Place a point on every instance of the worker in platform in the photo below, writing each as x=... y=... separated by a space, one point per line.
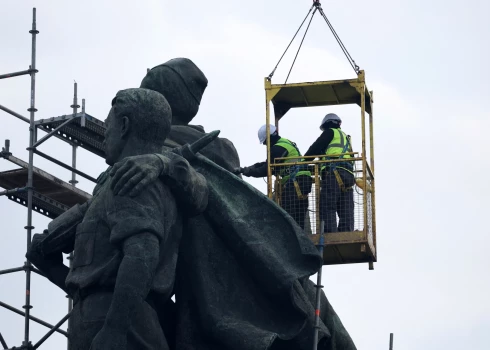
x=337 y=195
x=296 y=183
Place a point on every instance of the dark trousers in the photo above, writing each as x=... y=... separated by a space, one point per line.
x=89 y=315
x=334 y=202
x=297 y=208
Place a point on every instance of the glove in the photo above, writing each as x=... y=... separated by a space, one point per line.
x=245 y=171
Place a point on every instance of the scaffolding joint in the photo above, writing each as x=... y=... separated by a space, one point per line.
x=13 y=191
x=5 y=154
x=6 y=150
x=27 y=267
x=26 y=346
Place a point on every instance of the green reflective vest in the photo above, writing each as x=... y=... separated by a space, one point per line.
x=336 y=148
x=292 y=152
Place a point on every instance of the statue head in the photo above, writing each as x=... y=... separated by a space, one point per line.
x=182 y=83
x=138 y=123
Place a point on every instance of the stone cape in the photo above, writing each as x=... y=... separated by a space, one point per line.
x=221 y=151
x=243 y=269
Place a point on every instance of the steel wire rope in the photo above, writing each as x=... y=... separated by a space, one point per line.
x=341 y=44
x=301 y=44
x=287 y=48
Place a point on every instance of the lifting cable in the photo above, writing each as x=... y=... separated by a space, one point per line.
x=287 y=48
x=317 y=5
x=301 y=44
x=341 y=44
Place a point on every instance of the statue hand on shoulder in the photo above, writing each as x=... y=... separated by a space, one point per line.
x=133 y=174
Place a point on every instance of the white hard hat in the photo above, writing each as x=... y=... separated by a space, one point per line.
x=330 y=117
x=262 y=132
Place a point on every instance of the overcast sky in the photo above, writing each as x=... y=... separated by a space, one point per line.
x=427 y=63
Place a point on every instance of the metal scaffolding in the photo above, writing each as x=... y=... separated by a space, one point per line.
x=40 y=191
x=50 y=196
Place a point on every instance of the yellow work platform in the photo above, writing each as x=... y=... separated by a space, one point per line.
x=346 y=247
x=358 y=246
x=319 y=93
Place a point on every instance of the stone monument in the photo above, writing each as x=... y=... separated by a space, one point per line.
x=243 y=267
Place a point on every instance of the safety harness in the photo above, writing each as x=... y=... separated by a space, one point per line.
x=333 y=167
x=296 y=184
x=295 y=170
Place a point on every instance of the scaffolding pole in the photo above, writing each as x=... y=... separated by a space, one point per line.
x=2 y=341
x=31 y=194
x=17 y=115
x=52 y=330
x=35 y=319
x=16 y=74
x=75 y=107
x=321 y=243
x=73 y=182
x=32 y=110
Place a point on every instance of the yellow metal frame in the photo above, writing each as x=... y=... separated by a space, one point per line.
x=327 y=93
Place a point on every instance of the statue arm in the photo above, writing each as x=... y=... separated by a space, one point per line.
x=133 y=280
x=57 y=273
x=61 y=231
x=260 y=169
x=187 y=185
x=138 y=226
x=134 y=174
x=320 y=145
x=51 y=265
x=46 y=248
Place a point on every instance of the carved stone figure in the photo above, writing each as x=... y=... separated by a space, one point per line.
x=125 y=248
x=243 y=265
x=242 y=280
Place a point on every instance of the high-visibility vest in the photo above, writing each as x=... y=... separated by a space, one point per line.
x=336 y=147
x=293 y=151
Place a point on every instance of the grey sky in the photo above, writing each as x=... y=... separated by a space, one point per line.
x=427 y=64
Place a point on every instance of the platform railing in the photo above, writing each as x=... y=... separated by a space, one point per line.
x=312 y=198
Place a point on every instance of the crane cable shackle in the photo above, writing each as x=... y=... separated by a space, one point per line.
x=317 y=7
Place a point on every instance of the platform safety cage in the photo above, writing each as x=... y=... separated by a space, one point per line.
x=283 y=97
x=303 y=197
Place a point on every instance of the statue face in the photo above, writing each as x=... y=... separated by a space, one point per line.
x=113 y=143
